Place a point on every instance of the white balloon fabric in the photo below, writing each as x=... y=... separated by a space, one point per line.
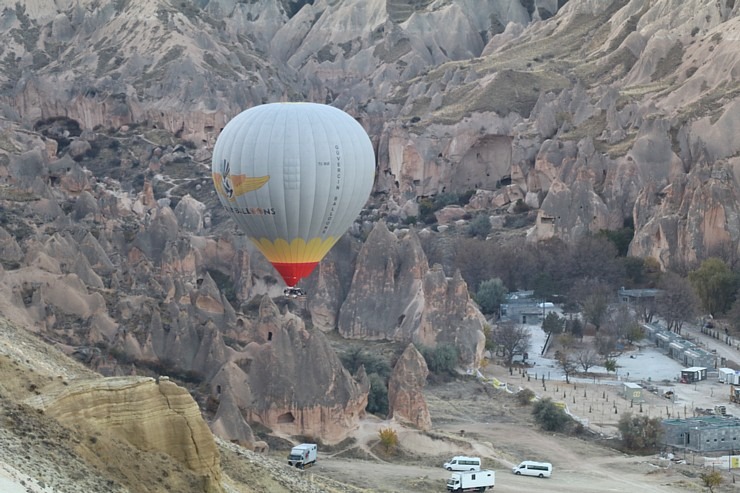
x=294 y=176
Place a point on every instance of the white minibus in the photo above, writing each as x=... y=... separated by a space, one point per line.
x=531 y=468
x=462 y=463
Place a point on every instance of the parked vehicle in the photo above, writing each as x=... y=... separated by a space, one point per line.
x=462 y=463
x=531 y=468
x=471 y=481
x=303 y=455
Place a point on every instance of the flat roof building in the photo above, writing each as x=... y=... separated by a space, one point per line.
x=703 y=434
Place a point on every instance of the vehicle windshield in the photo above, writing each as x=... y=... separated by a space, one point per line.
x=295 y=457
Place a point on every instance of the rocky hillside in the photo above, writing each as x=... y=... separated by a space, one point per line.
x=590 y=114
x=596 y=114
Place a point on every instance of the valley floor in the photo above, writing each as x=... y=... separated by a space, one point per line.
x=474 y=418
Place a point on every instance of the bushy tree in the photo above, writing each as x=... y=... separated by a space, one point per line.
x=491 y=294
x=711 y=479
x=640 y=433
x=378 y=371
x=620 y=238
x=373 y=362
x=553 y=323
x=715 y=284
x=550 y=416
x=441 y=359
x=480 y=226
x=388 y=439
x=377 y=397
x=575 y=327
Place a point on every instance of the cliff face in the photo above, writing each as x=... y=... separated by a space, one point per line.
x=395 y=296
x=151 y=416
x=292 y=381
x=603 y=100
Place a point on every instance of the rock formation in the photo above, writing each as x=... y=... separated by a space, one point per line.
x=395 y=296
x=291 y=380
x=406 y=401
x=149 y=414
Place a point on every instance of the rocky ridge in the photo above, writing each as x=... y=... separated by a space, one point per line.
x=605 y=106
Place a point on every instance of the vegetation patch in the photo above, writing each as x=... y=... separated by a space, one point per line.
x=509 y=91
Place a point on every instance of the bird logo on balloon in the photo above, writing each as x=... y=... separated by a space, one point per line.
x=232 y=186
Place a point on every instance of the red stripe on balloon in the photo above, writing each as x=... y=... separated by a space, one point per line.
x=294 y=272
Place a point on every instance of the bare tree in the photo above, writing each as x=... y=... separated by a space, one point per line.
x=587 y=358
x=593 y=296
x=621 y=323
x=511 y=339
x=647 y=308
x=606 y=345
x=678 y=301
x=566 y=363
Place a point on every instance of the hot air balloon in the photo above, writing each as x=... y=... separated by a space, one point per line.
x=293 y=176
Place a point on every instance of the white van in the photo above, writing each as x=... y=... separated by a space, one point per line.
x=462 y=463
x=531 y=468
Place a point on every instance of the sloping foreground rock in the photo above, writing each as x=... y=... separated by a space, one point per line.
x=151 y=415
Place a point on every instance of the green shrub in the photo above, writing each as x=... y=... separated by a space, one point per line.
x=480 y=227
x=441 y=359
x=550 y=416
x=377 y=398
x=525 y=397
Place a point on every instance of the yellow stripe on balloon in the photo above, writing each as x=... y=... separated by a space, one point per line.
x=297 y=251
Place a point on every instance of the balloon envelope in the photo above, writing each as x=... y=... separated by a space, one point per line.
x=293 y=176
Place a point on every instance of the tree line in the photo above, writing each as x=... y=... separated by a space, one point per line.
x=586 y=276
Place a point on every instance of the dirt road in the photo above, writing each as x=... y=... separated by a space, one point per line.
x=500 y=431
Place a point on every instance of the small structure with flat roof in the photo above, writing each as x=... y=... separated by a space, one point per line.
x=702 y=434
x=632 y=392
x=693 y=374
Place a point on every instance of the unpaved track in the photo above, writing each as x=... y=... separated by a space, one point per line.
x=499 y=430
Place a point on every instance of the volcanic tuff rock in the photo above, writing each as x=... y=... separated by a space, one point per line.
x=149 y=414
x=405 y=398
x=457 y=96
x=129 y=277
x=395 y=296
x=291 y=381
